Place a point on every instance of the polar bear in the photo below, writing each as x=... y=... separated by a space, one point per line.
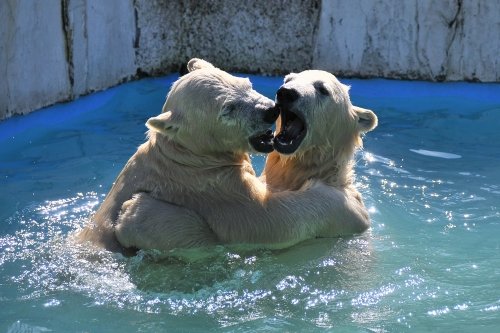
x=226 y=118
x=192 y=191
x=318 y=133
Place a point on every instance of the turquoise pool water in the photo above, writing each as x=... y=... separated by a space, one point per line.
x=431 y=262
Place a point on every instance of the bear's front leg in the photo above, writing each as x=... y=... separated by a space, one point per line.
x=345 y=208
x=148 y=223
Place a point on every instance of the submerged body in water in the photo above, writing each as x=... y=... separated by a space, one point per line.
x=428 y=174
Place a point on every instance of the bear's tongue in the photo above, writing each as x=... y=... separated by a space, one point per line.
x=291 y=130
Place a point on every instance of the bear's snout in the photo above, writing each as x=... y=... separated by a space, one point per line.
x=286 y=95
x=271 y=114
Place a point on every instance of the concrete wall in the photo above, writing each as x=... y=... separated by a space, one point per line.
x=251 y=36
x=33 y=67
x=100 y=42
x=426 y=39
x=55 y=50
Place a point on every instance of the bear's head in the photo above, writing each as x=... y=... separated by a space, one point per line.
x=316 y=112
x=209 y=111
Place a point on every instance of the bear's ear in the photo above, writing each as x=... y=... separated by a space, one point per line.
x=163 y=124
x=367 y=120
x=196 y=63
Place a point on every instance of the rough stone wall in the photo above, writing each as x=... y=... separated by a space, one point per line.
x=29 y=31
x=417 y=39
x=159 y=36
x=56 y=50
x=251 y=36
x=474 y=51
x=99 y=37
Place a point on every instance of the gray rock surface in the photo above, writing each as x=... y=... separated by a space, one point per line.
x=412 y=39
x=250 y=36
x=474 y=51
x=56 y=50
x=53 y=50
x=33 y=68
x=100 y=37
x=160 y=35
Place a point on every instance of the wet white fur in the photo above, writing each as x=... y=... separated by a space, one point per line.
x=192 y=182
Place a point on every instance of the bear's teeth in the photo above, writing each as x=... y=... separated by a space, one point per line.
x=283 y=137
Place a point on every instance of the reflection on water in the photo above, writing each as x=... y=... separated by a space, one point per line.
x=404 y=270
x=212 y=279
x=233 y=285
x=430 y=261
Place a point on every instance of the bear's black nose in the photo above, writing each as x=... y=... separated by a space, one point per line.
x=286 y=95
x=271 y=114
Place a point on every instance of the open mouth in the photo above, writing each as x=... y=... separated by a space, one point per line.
x=263 y=143
x=292 y=132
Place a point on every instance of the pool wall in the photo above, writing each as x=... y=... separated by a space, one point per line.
x=57 y=50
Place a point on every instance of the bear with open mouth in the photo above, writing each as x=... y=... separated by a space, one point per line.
x=192 y=183
x=318 y=133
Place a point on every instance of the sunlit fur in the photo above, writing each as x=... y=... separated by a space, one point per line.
x=334 y=130
x=192 y=148
x=192 y=183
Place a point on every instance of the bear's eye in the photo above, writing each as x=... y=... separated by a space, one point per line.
x=289 y=77
x=321 y=88
x=228 y=110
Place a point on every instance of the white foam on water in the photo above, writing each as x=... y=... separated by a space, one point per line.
x=433 y=153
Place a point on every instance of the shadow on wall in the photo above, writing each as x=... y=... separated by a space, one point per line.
x=60 y=49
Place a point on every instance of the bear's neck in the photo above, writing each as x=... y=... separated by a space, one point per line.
x=334 y=168
x=176 y=155
x=186 y=176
